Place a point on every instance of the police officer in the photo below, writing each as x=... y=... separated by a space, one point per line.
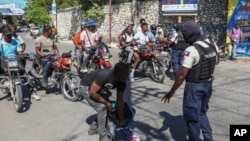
x=197 y=69
x=178 y=45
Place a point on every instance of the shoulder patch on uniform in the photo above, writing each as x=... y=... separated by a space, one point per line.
x=186 y=53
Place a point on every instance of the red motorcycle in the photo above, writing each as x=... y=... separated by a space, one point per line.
x=149 y=63
x=59 y=75
x=102 y=60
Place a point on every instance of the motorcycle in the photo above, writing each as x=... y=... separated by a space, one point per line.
x=149 y=64
x=102 y=60
x=60 y=75
x=163 y=55
x=11 y=81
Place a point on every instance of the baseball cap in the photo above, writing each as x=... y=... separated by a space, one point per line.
x=7 y=31
x=90 y=23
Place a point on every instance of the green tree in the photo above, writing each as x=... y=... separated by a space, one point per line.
x=38 y=10
x=94 y=12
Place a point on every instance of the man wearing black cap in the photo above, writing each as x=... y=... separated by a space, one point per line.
x=198 y=65
x=178 y=45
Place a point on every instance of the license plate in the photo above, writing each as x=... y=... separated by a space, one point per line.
x=106 y=60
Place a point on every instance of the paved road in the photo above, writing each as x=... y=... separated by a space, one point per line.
x=56 y=119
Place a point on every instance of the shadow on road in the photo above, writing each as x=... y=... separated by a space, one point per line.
x=90 y=119
x=150 y=133
x=176 y=126
x=2 y=98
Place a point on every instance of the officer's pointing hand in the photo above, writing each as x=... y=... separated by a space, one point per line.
x=166 y=97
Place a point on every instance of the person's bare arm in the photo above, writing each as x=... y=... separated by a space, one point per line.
x=23 y=47
x=38 y=51
x=178 y=81
x=56 y=50
x=94 y=88
x=120 y=108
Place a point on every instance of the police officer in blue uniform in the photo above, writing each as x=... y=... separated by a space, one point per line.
x=178 y=45
x=198 y=65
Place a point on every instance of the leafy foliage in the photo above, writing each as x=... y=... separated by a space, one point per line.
x=38 y=10
x=94 y=12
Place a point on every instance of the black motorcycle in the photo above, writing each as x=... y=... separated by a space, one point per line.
x=11 y=81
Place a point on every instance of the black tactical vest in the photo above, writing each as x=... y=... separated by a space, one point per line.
x=181 y=44
x=204 y=70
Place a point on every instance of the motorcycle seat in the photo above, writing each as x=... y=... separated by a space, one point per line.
x=68 y=54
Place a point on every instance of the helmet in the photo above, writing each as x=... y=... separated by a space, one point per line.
x=83 y=24
x=153 y=27
x=177 y=26
x=90 y=23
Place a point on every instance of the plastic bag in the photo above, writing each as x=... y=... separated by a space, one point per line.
x=124 y=134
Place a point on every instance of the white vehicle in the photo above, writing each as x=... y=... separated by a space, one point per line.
x=34 y=31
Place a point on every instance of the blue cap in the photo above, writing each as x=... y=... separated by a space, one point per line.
x=90 y=23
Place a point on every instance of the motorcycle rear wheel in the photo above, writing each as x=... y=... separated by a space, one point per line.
x=18 y=98
x=70 y=87
x=159 y=75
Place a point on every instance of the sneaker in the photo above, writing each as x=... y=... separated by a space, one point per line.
x=35 y=96
x=104 y=138
x=93 y=129
x=131 y=77
x=44 y=83
x=84 y=69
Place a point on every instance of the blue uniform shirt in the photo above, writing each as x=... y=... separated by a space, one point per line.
x=10 y=49
x=152 y=37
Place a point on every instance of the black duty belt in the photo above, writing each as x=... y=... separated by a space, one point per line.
x=210 y=80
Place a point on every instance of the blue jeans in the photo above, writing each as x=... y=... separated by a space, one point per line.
x=234 y=46
x=79 y=58
x=195 y=106
x=46 y=65
x=176 y=60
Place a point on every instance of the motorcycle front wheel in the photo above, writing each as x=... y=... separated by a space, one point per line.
x=158 y=73
x=70 y=87
x=18 y=98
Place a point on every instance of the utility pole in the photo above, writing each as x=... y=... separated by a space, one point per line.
x=54 y=13
x=110 y=19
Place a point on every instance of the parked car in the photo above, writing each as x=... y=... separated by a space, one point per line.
x=22 y=28
x=34 y=31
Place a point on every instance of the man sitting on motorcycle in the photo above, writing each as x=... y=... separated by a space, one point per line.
x=142 y=40
x=153 y=35
x=45 y=47
x=90 y=87
x=89 y=38
x=10 y=47
x=128 y=43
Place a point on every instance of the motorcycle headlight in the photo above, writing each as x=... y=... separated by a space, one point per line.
x=12 y=63
x=105 y=56
x=70 y=61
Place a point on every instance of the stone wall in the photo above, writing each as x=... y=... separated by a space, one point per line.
x=211 y=15
x=68 y=21
x=121 y=16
